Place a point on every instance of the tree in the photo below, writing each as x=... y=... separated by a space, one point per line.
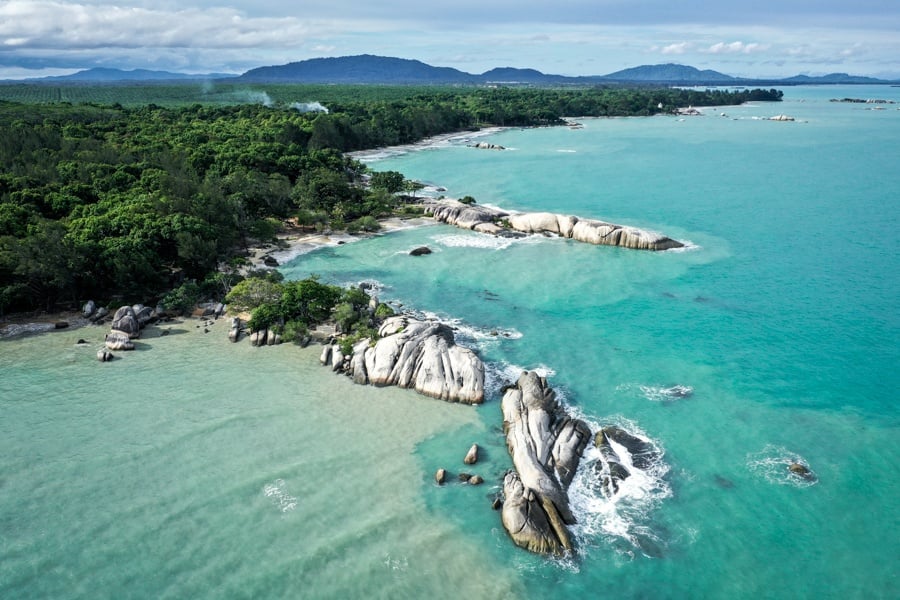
x=389 y=181
x=252 y=292
x=308 y=300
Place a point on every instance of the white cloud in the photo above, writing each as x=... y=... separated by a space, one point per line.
x=581 y=37
x=56 y=24
x=679 y=48
x=736 y=48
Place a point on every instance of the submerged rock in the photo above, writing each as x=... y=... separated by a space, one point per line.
x=546 y=445
x=420 y=251
x=802 y=471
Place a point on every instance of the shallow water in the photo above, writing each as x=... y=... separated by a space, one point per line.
x=198 y=468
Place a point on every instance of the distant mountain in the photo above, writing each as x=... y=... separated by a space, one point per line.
x=104 y=74
x=512 y=75
x=832 y=78
x=370 y=69
x=364 y=68
x=669 y=73
x=367 y=68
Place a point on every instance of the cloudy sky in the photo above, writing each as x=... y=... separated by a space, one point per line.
x=752 y=38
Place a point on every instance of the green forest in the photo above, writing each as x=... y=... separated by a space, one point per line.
x=125 y=201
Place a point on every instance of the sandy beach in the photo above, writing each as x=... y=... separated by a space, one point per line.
x=293 y=242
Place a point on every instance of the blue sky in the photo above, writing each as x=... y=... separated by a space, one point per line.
x=751 y=38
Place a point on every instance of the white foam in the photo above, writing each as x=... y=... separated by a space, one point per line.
x=324 y=241
x=484 y=241
x=278 y=493
x=772 y=463
x=656 y=393
x=688 y=246
x=619 y=518
x=500 y=374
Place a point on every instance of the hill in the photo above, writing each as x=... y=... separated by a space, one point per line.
x=364 y=68
x=370 y=69
x=101 y=74
x=832 y=78
x=670 y=73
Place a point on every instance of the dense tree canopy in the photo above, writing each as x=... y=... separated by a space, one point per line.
x=97 y=201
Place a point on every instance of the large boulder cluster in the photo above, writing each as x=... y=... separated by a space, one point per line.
x=592 y=231
x=546 y=445
x=413 y=354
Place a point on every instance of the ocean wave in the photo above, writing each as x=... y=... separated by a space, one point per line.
x=373 y=287
x=278 y=493
x=465 y=333
x=778 y=465
x=657 y=393
x=285 y=256
x=484 y=241
x=688 y=246
x=617 y=512
x=432 y=143
x=498 y=375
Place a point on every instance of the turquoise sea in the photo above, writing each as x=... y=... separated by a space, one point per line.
x=195 y=468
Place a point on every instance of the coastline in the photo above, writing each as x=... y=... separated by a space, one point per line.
x=293 y=243
x=442 y=140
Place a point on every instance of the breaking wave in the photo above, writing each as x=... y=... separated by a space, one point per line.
x=497 y=375
x=485 y=241
x=616 y=489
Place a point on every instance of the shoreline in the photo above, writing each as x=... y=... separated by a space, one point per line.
x=293 y=243
x=442 y=140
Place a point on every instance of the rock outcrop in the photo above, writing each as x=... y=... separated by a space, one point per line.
x=264 y=337
x=487 y=146
x=464 y=216
x=592 y=231
x=612 y=469
x=125 y=320
x=414 y=354
x=546 y=445
x=234 y=334
x=472 y=455
x=118 y=340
